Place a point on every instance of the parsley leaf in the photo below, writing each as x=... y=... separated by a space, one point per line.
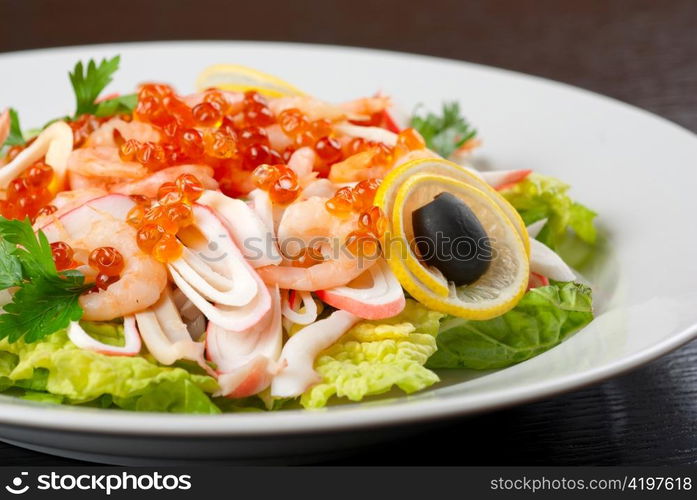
x=34 y=252
x=89 y=82
x=123 y=104
x=47 y=300
x=10 y=267
x=444 y=133
x=39 y=308
x=15 y=138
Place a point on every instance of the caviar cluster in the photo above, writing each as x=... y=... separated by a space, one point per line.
x=28 y=195
x=226 y=134
x=107 y=261
x=159 y=221
x=316 y=134
x=279 y=181
x=366 y=155
x=372 y=222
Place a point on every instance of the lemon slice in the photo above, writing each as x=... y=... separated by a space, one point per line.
x=384 y=197
x=501 y=286
x=238 y=78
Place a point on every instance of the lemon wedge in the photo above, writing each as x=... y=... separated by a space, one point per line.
x=496 y=291
x=237 y=78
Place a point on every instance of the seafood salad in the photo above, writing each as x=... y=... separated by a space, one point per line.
x=249 y=247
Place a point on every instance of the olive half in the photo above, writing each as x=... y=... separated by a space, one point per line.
x=449 y=237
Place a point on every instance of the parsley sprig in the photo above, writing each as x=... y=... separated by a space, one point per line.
x=446 y=132
x=15 y=137
x=89 y=81
x=45 y=300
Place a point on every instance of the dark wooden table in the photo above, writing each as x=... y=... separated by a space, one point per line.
x=642 y=52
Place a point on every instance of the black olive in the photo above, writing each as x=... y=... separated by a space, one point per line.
x=450 y=238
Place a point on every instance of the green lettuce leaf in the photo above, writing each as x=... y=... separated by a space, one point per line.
x=542 y=319
x=57 y=367
x=539 y=197
x=107 y=332
x=375 y=356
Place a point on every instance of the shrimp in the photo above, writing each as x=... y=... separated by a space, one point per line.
x=302 y=162
x=357 y=167
x=4 y=126
x=319 y=187
x=308 y=224
x=104 y=135
x=77 y=182
x=148 y=186
x=278 y=138
x=313 y=108
x=328 y=274
x=104 y=163
x=374 y=134
x=142 y=280
x=366 y=106
x=417 y=154
x=360 y=166
x=65 y=201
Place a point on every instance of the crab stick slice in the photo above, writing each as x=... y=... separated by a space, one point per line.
x=247 y=361
x=83 y=340
x=253 y=236
x=375 y=294
x=290 y=299
x=504 y=179
x=216 y=278
x=298 y=356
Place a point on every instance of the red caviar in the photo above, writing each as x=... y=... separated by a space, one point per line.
x=373 y=220
x=148 y=236
x=158 y=224
x=62 y=255
x=190 y=187
x=207 y=115
x=280 y=181
x=136 y=216
x=356 y=199
x=168 y=193
x=167 y=249
x=362 y=243
x=28 y=194
x=106 y=260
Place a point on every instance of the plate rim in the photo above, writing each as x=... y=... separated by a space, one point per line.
x=24 y=414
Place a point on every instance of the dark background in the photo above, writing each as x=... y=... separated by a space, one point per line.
x=642 y=52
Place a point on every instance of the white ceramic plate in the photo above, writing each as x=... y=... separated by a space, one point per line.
x=635 y=169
